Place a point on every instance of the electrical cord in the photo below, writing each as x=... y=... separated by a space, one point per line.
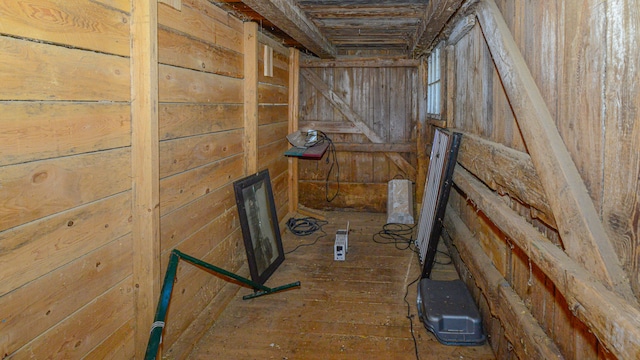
x=304 y=227
x=400 y=235
x=410 y=317
x=332 y=158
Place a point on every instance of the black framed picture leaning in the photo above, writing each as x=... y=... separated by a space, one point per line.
x=259 y=223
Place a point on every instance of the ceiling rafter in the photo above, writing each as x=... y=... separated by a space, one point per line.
x=287 y=16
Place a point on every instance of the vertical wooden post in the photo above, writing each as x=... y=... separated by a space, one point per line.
x=144 y=167
x=250 y=98
x=294 y=83
x=449 y=85
x=422 y=141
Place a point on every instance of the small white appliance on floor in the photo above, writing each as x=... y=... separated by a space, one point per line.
x=341 y=245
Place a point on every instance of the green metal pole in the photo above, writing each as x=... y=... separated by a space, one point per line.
x=155 y=338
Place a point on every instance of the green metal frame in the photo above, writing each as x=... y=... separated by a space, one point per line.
x=155 y=338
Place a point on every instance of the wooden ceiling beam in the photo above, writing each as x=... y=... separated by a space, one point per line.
x=287 y=16
x=436 y=17
x=360 y=63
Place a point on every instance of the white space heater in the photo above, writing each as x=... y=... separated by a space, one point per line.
x=400 y=202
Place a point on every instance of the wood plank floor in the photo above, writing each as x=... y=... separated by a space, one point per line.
x=343 y=310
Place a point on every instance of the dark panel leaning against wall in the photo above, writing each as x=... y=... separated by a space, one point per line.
x=66 y=289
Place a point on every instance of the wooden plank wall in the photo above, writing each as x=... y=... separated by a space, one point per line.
x=580 y=55
x=66 y=288
x=201 y=154
x=65 y=214
x=385 y=99
x=273 y=121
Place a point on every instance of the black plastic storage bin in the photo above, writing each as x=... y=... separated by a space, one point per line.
x=447 y=310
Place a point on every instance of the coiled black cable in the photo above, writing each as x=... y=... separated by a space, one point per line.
x=304 y=227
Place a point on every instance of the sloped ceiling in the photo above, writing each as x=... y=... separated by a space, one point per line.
x=331 y=28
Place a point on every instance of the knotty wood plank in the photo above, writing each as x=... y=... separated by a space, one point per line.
x=33 y=131
x=180 y=224
x=598 y=307
x=272 y=132
x=187 y=153
x=203 y=20
x=287 y=16
x=185 y=187
x=580 y=227
x=183 y=51
x=37 y=189
x=62 y=238
x=61 y=73
x=342 y=106
x=272 y=113
x=272 y=94
x=117 y=346
x=178 y=120
x=185 y=85
x=85 y=329
x=145 y=179
x=271 y=152
x=72 y=23
x=61 y=293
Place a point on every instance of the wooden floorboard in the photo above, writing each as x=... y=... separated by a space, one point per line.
x=351 y=309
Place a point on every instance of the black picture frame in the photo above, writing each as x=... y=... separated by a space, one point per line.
x=259 y=223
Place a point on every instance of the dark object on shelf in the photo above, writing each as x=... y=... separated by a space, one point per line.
x=447 y=310
x=259 y=223
x=312 y=152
